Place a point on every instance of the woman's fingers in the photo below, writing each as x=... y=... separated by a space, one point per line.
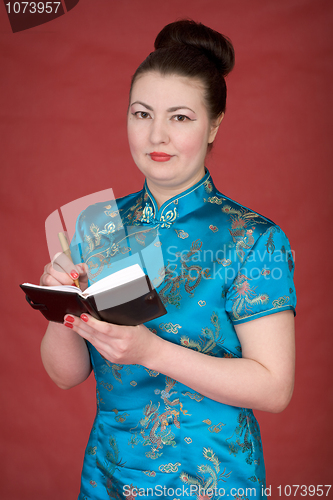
x=112 y=341
x=62 y=271
x=91 y=327
x=98 y=333
x=116 y=343
x=63 y=264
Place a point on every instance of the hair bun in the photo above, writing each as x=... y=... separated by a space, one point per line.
x=215 y=46
x=192 y=50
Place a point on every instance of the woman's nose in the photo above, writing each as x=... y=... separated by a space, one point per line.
x=159 y=132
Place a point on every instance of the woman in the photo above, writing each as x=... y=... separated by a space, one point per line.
x=175 y=396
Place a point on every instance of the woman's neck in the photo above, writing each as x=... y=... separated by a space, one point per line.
x=161 y=195
x=164 y=193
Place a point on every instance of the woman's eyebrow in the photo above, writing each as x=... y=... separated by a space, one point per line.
x=142 y=104
x=176 y=108
x=169 y=110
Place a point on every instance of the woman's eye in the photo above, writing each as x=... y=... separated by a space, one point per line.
x=141 y=114
x=181 y=118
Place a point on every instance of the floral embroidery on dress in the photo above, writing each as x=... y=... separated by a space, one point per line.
x=248 y=434
x=208 y=185
x=152 y=373
x=169 y=218
x=169 y=327
x=111 y=463
x=103 y=245
x=241 y=235
x=245 y=297
x=194 y=395
x=213 y=471
x=209 y=339
x=121 y=418
x=181 y=234
x=106 y=385
x=214 y=199
x=149 y=473
x=216 y=428
x=224 y=262
x=281 y=301
x=147 y=214
x=189 y=274
x=132 y=216
x=169 y=467
x=166 y=220
x=156 y=425
x=270 y=246
x=245 y=241
x=290 y=261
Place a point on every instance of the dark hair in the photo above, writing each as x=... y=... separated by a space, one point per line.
x=191 y=49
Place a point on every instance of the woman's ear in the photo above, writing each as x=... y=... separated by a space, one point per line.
x=214 y=128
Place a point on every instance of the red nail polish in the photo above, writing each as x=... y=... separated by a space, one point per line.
x=69 y=325
x=70 y=318
x=84 y=317
x=74 y=275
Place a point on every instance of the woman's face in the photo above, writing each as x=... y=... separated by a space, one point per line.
x=169 y=130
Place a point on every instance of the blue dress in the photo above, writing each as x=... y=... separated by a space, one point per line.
x=154 y=437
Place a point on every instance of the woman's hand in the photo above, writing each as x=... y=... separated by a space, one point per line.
x=65 y=356
x=62 y=271
x=262 y=379
x=118 y=344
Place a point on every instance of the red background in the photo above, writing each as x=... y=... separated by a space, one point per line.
x=63 y=101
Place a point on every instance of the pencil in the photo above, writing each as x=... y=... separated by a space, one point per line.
x=66 y=250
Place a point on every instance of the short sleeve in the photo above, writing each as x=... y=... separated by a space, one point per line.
x=264 y=283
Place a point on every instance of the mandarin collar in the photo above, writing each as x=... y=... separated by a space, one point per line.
x=178 y=206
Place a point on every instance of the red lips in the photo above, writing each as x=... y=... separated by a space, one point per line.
x=160 y=156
